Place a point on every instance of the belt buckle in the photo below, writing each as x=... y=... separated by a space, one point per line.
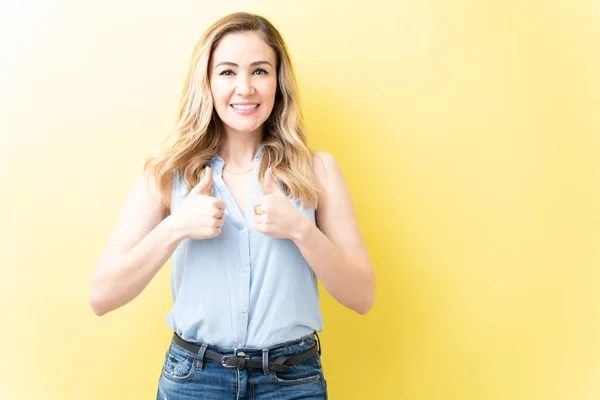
x=224 y=359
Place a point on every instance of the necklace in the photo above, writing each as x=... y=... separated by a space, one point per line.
x=239 y=173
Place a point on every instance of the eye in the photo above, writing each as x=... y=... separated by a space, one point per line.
x=260 y=71
x=226 y=72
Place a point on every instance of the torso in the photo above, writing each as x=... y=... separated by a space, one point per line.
x=240 y=187
x=238 y=274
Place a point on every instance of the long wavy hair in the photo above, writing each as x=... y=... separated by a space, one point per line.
x=199 y=136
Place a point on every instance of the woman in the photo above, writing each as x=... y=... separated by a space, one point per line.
x=264 y=219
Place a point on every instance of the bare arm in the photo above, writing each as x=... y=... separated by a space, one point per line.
x=334 y=248
x=139 y=245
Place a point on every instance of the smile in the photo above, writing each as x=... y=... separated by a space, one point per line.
x=245 y=108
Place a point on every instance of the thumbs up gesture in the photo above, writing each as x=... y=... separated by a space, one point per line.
x=274 y=215
x=201 y=216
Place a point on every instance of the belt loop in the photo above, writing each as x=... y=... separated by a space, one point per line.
x=318 y=342
x=265 y=361
x=201 y=356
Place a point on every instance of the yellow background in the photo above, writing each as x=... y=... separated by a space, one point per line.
x=468 y=132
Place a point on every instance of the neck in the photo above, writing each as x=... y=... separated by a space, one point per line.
x=239 y=150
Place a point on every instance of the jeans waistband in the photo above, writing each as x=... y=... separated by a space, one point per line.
x=227 y=350
x=276 y=358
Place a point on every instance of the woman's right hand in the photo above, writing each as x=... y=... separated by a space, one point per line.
x=201 y=216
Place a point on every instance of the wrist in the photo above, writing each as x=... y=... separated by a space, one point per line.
x=175 y=228
x=301 y=230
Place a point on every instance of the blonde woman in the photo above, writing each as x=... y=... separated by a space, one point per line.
x=251 y=218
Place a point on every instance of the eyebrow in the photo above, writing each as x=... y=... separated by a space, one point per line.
x=235 y=65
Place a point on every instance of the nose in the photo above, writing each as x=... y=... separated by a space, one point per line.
x=243 y=85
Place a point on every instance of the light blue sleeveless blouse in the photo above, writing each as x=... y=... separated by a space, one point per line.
x=241 y=288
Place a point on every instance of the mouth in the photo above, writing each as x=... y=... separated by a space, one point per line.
x=247 y=108
x=244 y=106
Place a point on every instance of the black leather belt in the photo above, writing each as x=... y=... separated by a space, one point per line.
x=280 y=364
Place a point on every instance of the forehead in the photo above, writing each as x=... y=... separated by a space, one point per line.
x=243 y=48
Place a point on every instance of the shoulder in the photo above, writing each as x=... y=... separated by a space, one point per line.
x=326 y=168
x=158 y=189
x=323 y=157
x=335 y=215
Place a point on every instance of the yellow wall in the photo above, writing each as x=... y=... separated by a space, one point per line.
x=469 y=135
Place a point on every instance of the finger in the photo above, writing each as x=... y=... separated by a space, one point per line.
x=270 y=184
x=260 y=228
x=204 y=185
x=258 y=200
x=217 y=232
x=220 y=203
x=217 y=224
x=258 y=210
x=217 y=213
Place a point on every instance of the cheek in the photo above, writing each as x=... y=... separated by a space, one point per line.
x=219 y=94
x=269 y=90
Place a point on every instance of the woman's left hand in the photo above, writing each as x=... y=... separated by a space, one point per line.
x=274 y=215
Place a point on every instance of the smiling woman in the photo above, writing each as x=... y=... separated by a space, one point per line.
x=243 y=91
x=247 y=249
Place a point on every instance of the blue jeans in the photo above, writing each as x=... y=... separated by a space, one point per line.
x=189 y=376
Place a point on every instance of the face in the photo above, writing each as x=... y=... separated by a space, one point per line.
x=243 y=81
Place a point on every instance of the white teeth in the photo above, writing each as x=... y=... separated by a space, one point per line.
x=244 y=107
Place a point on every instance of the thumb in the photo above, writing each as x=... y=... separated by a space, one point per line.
x=271 y=186
x=204 y=185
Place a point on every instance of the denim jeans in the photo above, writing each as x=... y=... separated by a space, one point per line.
x=189 y=376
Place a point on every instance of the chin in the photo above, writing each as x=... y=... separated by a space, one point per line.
x=244 y=128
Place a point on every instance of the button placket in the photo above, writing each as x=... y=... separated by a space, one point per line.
x=244 y=247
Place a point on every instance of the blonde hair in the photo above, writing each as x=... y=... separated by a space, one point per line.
x=198 y=134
